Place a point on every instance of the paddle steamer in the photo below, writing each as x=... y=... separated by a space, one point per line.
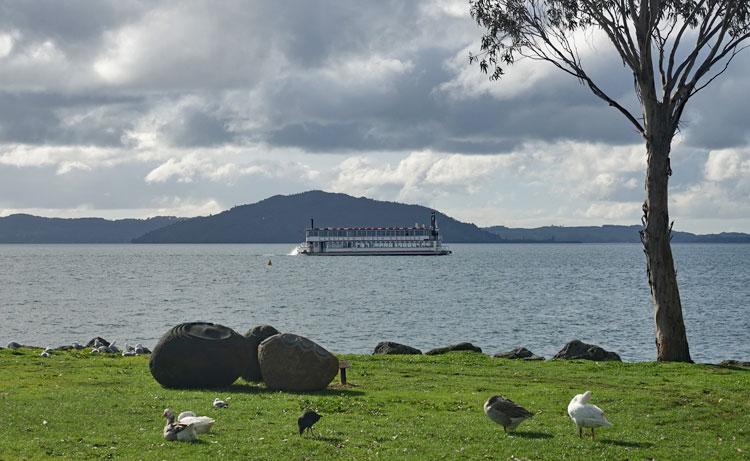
x=373 y=241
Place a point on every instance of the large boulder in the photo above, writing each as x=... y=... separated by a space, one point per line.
x=198 y=355
x=579 y=350
x=518 y=353
x=388 y=347
x=294 y=363
x=254 y=337
x=454 y=348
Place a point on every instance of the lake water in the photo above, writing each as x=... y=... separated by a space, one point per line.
x=495 y=296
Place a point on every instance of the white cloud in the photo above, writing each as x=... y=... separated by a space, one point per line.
x=608 y=212
x=213 y=165
x=6 y=44
x=417 y=173
x=727 y=164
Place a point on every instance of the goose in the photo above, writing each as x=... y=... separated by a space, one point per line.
x=586 y=414
x=505 y=412
x=202 y=424
x=218 y=403
x=44 y=354
x=178 y=431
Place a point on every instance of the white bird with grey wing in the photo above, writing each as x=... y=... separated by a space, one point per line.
x=505 y=412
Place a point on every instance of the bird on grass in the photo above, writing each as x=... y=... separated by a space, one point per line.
x=202 y=424
x=218 y=403
x=306 y=421
x=505 y=412
x=178 y=431
x=586 y=414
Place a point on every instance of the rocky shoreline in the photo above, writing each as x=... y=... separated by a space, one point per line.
x=573 y=350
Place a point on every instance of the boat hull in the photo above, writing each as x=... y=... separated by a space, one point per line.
x=379 y=252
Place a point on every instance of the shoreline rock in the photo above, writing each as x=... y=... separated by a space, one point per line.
x=454 y=348
x=578 y=350
x=391 y=348
x=519 y=353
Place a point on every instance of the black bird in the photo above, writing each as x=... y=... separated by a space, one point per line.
x=306 y=421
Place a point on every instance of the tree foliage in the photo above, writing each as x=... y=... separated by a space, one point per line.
x=674 y=48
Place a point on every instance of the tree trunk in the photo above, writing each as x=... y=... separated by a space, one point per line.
x=671 y=339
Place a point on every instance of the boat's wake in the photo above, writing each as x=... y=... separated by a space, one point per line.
x=294 y=252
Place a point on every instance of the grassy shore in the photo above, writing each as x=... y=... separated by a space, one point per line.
x=74 y=405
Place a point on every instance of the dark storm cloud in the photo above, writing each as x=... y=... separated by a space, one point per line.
x=53 y=118
x=195 y=128
x=304 y=66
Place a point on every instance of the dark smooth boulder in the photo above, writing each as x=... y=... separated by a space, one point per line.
x=454 y=348
x=391 y=348
x=198 y=355
x=518 y=353
x=294 y=363
x=579 y=350
x=254 y=337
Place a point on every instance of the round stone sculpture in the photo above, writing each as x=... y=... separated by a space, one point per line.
x=294 y=363
x=254 y=337
x=198 y=355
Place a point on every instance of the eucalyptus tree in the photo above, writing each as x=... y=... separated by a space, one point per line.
x=673 y=48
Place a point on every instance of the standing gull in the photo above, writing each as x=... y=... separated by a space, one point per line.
x=586 y=414
x=505 y=412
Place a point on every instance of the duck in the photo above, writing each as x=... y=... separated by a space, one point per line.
x=505 y=412
x=586 y=414
x=202 y=424
x=176 y=430
x=218 y=403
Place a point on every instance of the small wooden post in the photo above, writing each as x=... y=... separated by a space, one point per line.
x=343 y=365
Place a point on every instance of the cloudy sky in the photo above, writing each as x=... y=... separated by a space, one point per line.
x=140 y=108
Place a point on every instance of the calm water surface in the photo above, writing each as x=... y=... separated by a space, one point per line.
x=496 y=296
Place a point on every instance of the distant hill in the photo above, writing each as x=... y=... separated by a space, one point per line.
x=24 y=228
x=606 y=234
x=283 y=218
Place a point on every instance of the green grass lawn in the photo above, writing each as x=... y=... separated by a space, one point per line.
x=78 y=406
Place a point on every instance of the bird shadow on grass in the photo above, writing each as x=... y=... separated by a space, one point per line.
x=323 y=438
x=250 y=389
x=626 y=444
x=531 y=435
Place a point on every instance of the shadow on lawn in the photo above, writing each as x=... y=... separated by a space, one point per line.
x=250 y=389
x=626 y=444
x=532 y=435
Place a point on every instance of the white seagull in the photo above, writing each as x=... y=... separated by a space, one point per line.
x=218 y=403
x=176 y=430
x=586 y=414
x=505 y=412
